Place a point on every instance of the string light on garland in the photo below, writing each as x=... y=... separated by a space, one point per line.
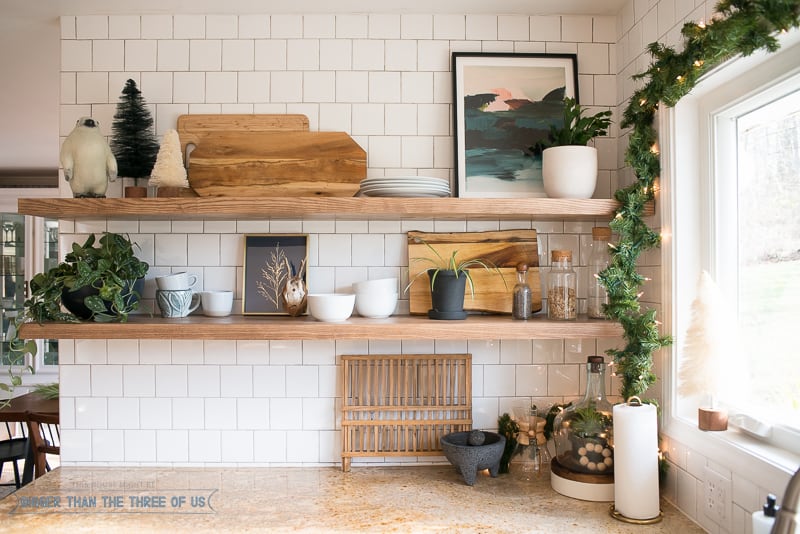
x=737 y=27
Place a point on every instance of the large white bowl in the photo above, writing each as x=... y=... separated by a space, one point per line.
x=331 y=307
x=376 y=304
x=379 y=285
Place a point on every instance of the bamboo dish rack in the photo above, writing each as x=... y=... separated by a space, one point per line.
x=401 y=405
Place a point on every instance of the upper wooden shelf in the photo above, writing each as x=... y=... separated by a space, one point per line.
x=286 y=328
x=361 y=208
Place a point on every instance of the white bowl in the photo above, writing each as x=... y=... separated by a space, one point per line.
x=331 y=307
x=380 y=285
x=376 y=305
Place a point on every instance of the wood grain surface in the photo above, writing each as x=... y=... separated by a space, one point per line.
x=286 y=163
x=201 y=129
x=505 y=249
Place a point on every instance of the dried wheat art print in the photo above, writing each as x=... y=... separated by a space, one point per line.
x=269 y=261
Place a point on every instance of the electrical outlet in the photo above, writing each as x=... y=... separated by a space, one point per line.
x=718 y=506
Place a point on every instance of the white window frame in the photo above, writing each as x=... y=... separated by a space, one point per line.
x=687 y=213
x=34 y=263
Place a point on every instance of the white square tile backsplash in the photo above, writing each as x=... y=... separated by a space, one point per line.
x=385 y=79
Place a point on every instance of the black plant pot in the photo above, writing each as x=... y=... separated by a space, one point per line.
x=447 y=295
x=73 y=300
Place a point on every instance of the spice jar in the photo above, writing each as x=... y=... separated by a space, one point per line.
x=598 y=262
x=562 y=287
x=521 y=305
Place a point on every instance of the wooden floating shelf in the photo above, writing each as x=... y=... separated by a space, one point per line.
x=293 y=328
x=347 y=208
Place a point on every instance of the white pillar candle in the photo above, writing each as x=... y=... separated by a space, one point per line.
x=636 y=461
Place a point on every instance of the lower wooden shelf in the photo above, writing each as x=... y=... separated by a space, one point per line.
x=286 y=328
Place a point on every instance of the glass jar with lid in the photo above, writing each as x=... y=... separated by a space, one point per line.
x=598 y=262
x=521 y=305
x=562 y=284
x=584 y=431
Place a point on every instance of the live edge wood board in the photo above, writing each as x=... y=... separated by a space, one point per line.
x=504 y=249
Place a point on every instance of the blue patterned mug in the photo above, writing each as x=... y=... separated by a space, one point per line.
x=177 y=302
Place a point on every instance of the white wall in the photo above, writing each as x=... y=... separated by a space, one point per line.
x=385 y=80
x=29 y=61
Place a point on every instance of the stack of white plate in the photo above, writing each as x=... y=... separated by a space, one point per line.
x=404 y=186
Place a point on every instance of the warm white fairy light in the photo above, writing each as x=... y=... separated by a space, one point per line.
x=701 y=25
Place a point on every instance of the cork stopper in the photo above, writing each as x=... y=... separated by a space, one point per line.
x=560 y=255
x=601 y=232
x=522 y=267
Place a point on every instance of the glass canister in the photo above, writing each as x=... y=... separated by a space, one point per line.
x=598 y=261
x=562 y=287
x=584 y=431
x=521 y=305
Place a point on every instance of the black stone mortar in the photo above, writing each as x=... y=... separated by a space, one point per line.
x=469 y=459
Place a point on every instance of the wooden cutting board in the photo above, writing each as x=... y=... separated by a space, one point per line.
x=505 y=248
x=288 y=163
x=203 y=129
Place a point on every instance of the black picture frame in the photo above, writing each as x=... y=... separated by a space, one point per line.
x=265 y=270
x=503 y=104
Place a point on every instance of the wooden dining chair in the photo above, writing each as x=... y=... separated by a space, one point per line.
x=45 y=435
x=13 y=450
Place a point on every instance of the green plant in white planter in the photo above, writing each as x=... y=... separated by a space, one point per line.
x=569 y=165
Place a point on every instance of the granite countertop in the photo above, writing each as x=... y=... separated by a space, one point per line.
x=367 y=499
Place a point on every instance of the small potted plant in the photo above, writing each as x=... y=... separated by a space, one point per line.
x=102 y=283
x=569 y=165
x=93 y=282
x=448 y=281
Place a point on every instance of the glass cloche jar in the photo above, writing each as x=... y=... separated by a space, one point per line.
x=584 y=431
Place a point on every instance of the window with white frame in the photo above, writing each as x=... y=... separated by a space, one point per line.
x=758 y=250
x=736 y=214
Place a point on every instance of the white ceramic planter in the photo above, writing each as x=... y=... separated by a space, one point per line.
x=569 y=171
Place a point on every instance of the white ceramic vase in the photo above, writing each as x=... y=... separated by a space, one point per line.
x=569 y=171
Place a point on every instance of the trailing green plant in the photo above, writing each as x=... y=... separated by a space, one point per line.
x=109 y=265
x=459 y=267
x=111 y=268
x=576 y=128
x=737 y=27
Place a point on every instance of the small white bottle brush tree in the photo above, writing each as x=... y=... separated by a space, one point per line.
x=168 y=170
x=709 y=358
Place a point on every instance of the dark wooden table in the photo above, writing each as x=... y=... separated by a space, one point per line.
x=31 y=409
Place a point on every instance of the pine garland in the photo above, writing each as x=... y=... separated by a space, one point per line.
x=738 y=27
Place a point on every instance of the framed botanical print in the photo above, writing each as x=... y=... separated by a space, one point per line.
x=504 y=104
x=269 y=261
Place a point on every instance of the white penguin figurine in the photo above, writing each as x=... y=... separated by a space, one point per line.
x=87 y=160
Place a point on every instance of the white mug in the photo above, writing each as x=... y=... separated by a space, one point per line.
x=217 y=303
x=176 y=281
